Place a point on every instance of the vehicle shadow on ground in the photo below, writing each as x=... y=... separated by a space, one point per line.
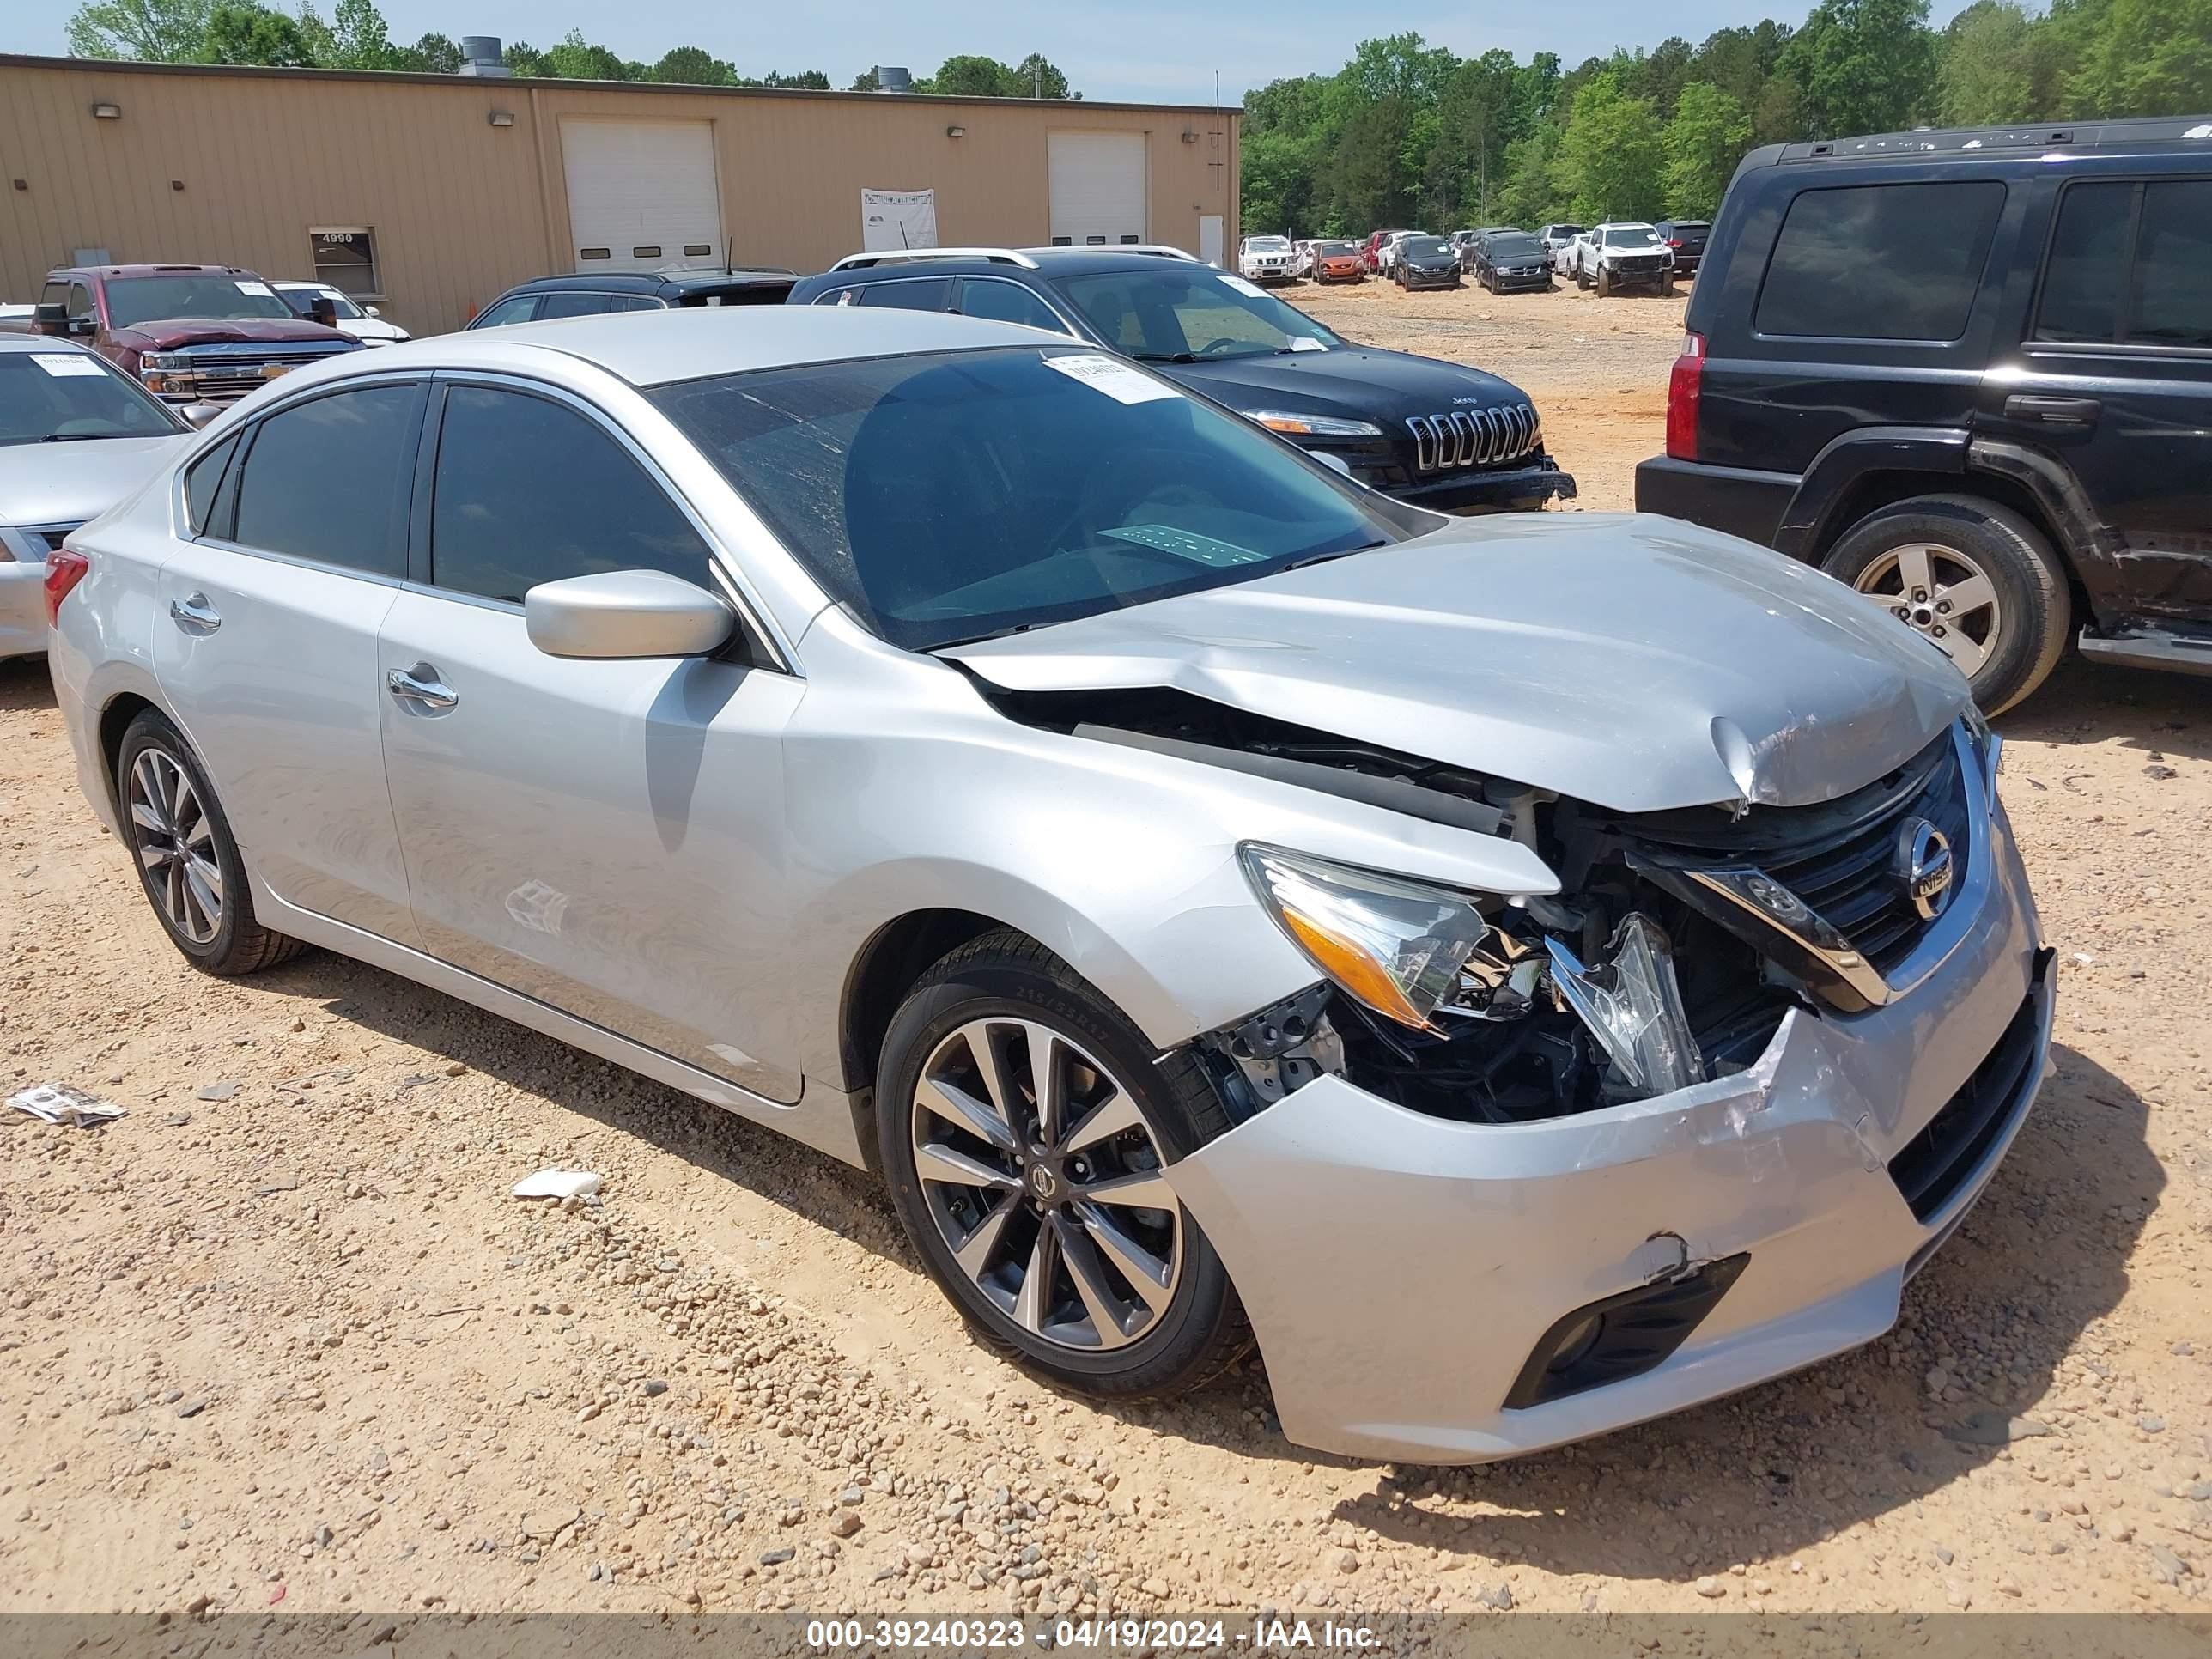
x=2162 y=714
x=25 y=685
x=1778 y=1469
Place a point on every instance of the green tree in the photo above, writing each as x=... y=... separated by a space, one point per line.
x=239 y=32
x=577 y=60
x=357 y=38
x=694 y=66
x=1861 y=66
x=1987 y=73
x=1035 y=76
x=522 y=58
x=1705 y=141
x=153 y=30
x=867 y=80
x=971 y=76
x=1368 y=186
x=1611 y=155
x=1532 y=194
x=433 y=54
x=806 y=79
x=2145 y=57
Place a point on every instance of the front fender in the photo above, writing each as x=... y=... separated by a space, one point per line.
x=1808 y=521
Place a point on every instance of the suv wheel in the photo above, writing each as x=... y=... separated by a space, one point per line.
x=1023 y=1123
x=1604 y=283
x=188 y=860
x=1977 y=579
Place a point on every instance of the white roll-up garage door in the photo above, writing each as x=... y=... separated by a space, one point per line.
x=641 y=194
x=1097 y=182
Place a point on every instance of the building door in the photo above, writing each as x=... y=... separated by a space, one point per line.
x=642 y=195
x=1097 y=185
x=1209 y=238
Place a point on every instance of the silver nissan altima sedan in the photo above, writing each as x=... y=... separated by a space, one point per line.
x=1530 y=974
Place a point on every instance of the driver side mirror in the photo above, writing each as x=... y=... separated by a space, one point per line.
x=625 y=614
x=198 y=415
x=322 y=309
x=50 y=318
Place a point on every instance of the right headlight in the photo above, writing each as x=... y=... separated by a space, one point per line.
x=1395 y=945
x=1292 y=425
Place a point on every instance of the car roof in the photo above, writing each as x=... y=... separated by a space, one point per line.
x=11 y=341
x=654 y=348
x=147 y=270
x=1051 y=262
x=647 y=282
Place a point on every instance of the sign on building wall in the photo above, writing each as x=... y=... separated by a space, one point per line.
x=897 y=218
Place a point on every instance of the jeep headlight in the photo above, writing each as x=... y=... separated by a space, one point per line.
x=1394 y=944
x=1312 y=426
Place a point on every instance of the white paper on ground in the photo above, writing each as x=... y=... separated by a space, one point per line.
x=1116 y=379
x=57 y=1102
x=66 y=365
x=557 y=1183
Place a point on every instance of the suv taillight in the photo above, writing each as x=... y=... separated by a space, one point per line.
x=64 y=570
x=1684 y=385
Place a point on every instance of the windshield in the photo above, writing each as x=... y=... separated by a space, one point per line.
x=1565 y=230
x=1513 y=248
x=302 y=302
x=951 y=495
x=1336 y=250
x=1422 y=247
x=1268 y=244
x=134 y=300
x=1188 y=314
x=59 y=396
x=1639 y=236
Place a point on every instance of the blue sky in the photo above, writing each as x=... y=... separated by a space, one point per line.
x=1134 y=49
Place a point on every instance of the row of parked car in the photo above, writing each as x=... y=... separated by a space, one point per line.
x=973 y=718
x=1611 y=258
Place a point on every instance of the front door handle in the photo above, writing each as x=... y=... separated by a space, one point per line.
x=195 y=614
x=2053 y=412
x=421 y=686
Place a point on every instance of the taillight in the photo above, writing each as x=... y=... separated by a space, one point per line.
x=1674 y=242
x=1684 y=384
x=64 y=570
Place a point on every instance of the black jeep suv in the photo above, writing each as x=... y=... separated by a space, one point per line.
x=1969 y=372
x=1438 y=434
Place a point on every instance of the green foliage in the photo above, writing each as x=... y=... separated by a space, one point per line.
x=1610 y=156
x=1532 y=196
x=433 y=54
x=971 y=76
x=1709 y=135
x=240 y=32
x=154 y=31
x=577 y=59
x=1862 y=66
x=2145 y=57
x=694 y=66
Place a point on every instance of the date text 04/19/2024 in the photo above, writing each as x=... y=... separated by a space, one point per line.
x=1202 y=1635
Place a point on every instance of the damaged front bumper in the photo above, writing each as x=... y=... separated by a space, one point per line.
x=1416 y=1282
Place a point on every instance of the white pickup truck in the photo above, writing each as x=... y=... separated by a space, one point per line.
x=1268 y=259
x=1619 y=254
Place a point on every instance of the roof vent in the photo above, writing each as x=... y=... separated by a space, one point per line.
x=890 y=78
x=481 y=56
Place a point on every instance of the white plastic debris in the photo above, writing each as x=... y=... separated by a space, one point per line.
x=557 y=1183
x=57 y=1102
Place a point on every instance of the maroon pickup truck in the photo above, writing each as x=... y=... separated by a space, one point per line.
x=191 y=334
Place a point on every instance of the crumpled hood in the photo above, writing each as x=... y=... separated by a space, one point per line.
x=68 y=483
x=1360 y=382
x=1635 y=662
x=176 y=332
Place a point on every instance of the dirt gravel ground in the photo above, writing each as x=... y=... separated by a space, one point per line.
x=279 y=1337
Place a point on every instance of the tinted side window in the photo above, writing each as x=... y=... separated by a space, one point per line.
x=638 y=302
x=575 y=304
x=331 y=479
x=517 y=310
x=2088 y=263
x=202 y=482
x=80 y=300
x=2173 y=265
x=1006 y=303
x=528 y=491
x=910 y=294
x=1880 y=262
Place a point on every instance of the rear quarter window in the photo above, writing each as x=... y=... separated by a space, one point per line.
x=1879 y=262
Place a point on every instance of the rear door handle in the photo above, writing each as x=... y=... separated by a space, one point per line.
x=2053 y=412
x=196 y=615
x=420 y=685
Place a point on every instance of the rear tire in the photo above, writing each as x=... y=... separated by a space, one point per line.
x=1582 y=277
x=187 y=859
x=986 y=1242
x=1951 y=541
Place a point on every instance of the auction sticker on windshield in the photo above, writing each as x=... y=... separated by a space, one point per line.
x=65 y=365
x=1117 y=380
x=1243 y=287
x=260 y=289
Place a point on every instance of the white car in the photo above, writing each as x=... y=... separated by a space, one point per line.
x=1621 y=253
x=1386 y=256
x=354 y=318
x=1268 y=259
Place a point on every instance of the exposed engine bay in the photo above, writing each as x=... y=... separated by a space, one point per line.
x=1620 y=987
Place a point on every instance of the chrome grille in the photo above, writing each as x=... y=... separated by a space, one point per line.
x=1472 y=437
x=230 y=369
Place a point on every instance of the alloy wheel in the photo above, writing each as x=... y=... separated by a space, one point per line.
x=176 y=845
x=1940 y=592
x=1045 y=1182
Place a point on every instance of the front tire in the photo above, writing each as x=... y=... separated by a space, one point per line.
x=1581 y=278
x=188 y=860
x=1979 y=579
x=1604 y=283
x=1022 y=1122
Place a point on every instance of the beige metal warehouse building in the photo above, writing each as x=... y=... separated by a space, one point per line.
x=432 y=193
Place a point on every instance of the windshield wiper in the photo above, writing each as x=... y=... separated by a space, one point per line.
x=1165 y=356
x=78 y=437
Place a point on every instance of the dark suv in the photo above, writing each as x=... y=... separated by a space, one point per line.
x=1687 y=239
x=584 y=295
x=1439 y=435
x=1969 y=372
